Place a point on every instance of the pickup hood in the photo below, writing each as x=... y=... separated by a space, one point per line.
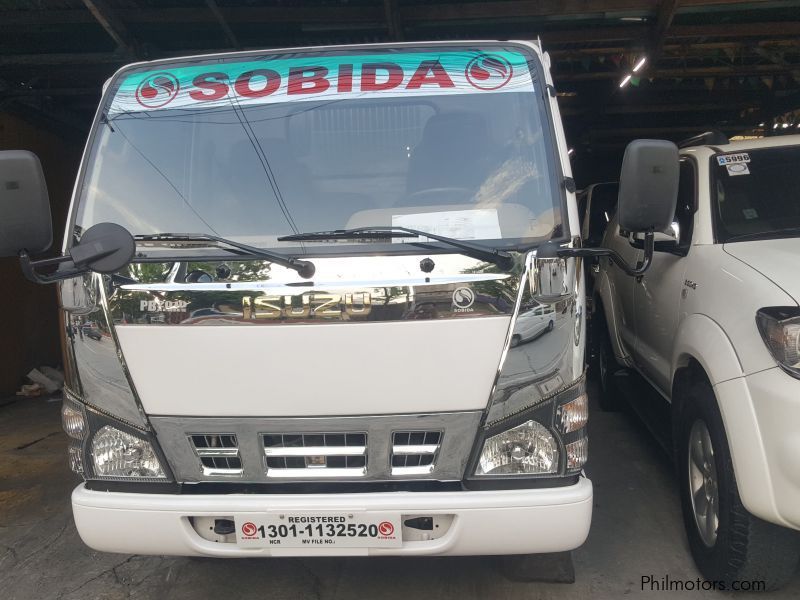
x=370 y=335
x=776 y=259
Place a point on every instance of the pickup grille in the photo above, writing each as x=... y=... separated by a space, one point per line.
x=341 y=454
x=218 y=453
x=415 y=452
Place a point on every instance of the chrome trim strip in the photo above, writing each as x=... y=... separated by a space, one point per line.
x=317 y=451
x=419 y=449
x=218 y=452
x=419 y=471
x=319 y=473
x=222 y=472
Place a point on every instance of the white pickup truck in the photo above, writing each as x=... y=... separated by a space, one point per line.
x=713 y=328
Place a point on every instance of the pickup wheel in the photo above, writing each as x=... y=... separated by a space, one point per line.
x=728 y=543
x=606 y=365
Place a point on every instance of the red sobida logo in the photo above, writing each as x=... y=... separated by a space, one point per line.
x=488 y=72
x=157 y=90
x=249 y=529
x=386 y=528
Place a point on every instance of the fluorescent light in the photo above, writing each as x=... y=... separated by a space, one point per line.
x=625 y=81
x=775 y=126
x=640 y=64
x=785 y=125
x=571 y=151
x=761 y=124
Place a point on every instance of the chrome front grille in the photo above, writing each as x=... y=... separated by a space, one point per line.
x=339 y=454
x=432 y=446
x=218 y=453
x=414 y=452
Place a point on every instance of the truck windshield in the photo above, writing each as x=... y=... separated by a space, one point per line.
x=757 y=194
x=451 y=140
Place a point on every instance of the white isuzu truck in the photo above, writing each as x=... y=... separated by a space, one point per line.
x=307 y=267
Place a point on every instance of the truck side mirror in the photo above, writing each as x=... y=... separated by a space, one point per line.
x=648 y=193
x=648 y=186
x=25 y=223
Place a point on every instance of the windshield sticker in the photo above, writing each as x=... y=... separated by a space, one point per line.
x=750 y=213
x=729 y=159
x=478 y=224
x=738 y=169
x=323 y=78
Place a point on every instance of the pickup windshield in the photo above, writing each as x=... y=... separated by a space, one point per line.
x=450 y=140
x=757 y=194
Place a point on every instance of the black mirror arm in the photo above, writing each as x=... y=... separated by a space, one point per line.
x=649 y=245
x=29 y=268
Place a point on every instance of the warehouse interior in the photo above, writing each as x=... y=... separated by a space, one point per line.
x=623 y=69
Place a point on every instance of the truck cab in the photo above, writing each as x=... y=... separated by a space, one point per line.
x=310 y=266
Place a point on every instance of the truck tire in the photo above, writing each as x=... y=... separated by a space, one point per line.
x=727 y=543
x=609 y=397
x=556 y=567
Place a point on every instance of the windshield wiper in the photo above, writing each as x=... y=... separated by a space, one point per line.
x=304 y=268
x=502 y=259
x=762 y=234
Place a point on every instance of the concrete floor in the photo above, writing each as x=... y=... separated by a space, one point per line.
x=636 y=531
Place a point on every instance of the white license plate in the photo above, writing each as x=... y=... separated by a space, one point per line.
x=319 y=530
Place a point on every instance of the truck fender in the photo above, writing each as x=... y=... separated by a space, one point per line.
x=700 y=343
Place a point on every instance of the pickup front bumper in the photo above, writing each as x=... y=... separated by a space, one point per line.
x=520 y=521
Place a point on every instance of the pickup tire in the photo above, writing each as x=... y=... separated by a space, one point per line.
x=741 y=547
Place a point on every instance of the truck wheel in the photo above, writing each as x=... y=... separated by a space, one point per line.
x=515 y=340
x=609 y=398
x=550 y=326
x=728 y=543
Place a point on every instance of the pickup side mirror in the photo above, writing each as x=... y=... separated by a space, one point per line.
x=24 y=205
x=648 y=186
x=26 y=228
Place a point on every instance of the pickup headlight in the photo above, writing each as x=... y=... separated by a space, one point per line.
x=780 y=328
x=528 y=449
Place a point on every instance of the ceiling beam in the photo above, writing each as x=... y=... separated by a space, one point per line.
x=684 y=73
x=223 y=23
x=634 y=109
x=665 y=15
x=66 y=58
x=394 y=21
x=111 y=22
x=312 y=12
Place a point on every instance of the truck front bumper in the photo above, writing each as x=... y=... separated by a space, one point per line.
x=520 y=521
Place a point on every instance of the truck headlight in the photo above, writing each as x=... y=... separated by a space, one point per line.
x=73 y=420
x=117 y=453
x=780 y=328
x=573 y=415
x=528 y=449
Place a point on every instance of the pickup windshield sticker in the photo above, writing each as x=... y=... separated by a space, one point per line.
x=330 y=78
x=729 y=159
